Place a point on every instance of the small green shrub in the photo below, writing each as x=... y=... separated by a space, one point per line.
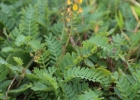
x=68 y=50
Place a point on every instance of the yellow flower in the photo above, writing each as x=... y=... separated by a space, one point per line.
x=68 y=2
x=79 y=1
x=80 y=10
x=75 y=7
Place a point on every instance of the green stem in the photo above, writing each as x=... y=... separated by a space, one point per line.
x=29 y=64
x=69 y=33
x=23 y=71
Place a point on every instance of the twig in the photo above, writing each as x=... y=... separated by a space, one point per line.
x=10 y=87
x=126 y=66
x=136 y=17
x=72 y=41
x=111 y=64
x=137 y=27
x=23 y=71
x=127 y=38
x=135 y=3
x=128 y=30
x=134 y=13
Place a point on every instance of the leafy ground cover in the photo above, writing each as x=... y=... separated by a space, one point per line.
x=69 y=50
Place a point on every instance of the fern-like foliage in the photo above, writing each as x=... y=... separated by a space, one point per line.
x=134 y=41
x=3 y=72
x=75 y=58
x=112 y=49
x=68 y=91
x=54 y=47
x=57 y=29
x=124 y=88
x=8 y=22
x=22 y=35
x=3 y=78
x=134 y=38
x=72 y=89
x=118 y=39
x=88 y=95
x=9 y=43
x=42 y=95
x=17 y=37
x=43 y=61
x=42 y=11
x=41 y=55
x=96 y=75
x=45 y=77
x=29 y=21
x=99 y=40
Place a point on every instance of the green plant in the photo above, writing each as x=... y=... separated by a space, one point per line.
x=69 y=50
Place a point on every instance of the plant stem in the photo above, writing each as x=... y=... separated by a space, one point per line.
x=6 y=98
x=23 y=71
x=135 y=3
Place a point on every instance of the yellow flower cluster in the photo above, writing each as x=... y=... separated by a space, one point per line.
x=75 y=5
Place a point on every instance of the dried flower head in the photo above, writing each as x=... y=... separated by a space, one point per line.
x=80 y=10
x=68 y=19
